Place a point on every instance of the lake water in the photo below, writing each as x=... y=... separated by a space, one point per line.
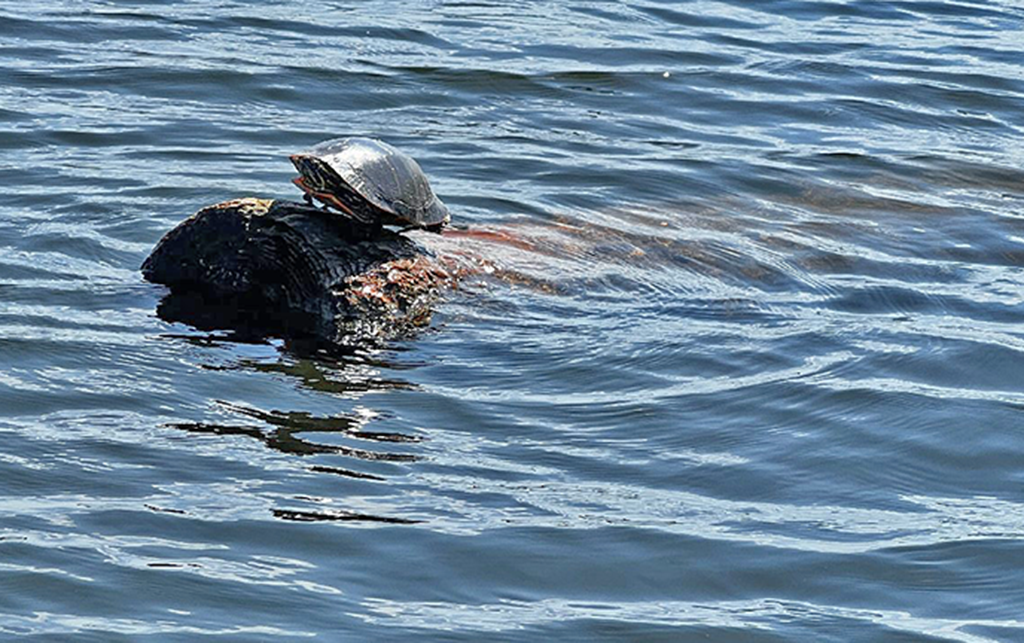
x=762 y=378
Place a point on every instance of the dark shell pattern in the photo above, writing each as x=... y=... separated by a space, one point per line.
x=385 y=177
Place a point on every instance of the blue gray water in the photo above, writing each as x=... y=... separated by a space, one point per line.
x=762 y=379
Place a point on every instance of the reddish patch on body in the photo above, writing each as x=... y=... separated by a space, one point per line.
x=323 y=197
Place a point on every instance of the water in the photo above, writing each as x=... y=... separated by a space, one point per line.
x=759 y=377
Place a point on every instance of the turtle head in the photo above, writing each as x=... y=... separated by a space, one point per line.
x=319 y=181
x=314 y=174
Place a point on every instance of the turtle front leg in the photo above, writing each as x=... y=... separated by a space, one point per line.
x=313 y=204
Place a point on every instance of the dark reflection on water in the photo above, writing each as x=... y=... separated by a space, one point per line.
x=314 y=516
x=740 y=357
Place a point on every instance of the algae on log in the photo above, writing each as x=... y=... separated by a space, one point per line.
x=278 y=266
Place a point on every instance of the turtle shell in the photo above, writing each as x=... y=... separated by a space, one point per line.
x=381 y=177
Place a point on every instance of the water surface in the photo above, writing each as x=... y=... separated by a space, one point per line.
x=759 y=377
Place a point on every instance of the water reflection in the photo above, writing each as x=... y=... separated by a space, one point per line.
x=328 y=516
x=343 y=371
x=278 y=430
x=286 y=432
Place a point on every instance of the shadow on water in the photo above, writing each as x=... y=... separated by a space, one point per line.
x=313 y=360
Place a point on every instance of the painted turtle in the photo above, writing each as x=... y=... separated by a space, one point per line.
x=370 y=181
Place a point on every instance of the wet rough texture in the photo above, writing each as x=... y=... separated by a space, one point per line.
x=288 y=267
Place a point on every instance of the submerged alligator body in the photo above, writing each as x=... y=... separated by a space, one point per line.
x=282 y=266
